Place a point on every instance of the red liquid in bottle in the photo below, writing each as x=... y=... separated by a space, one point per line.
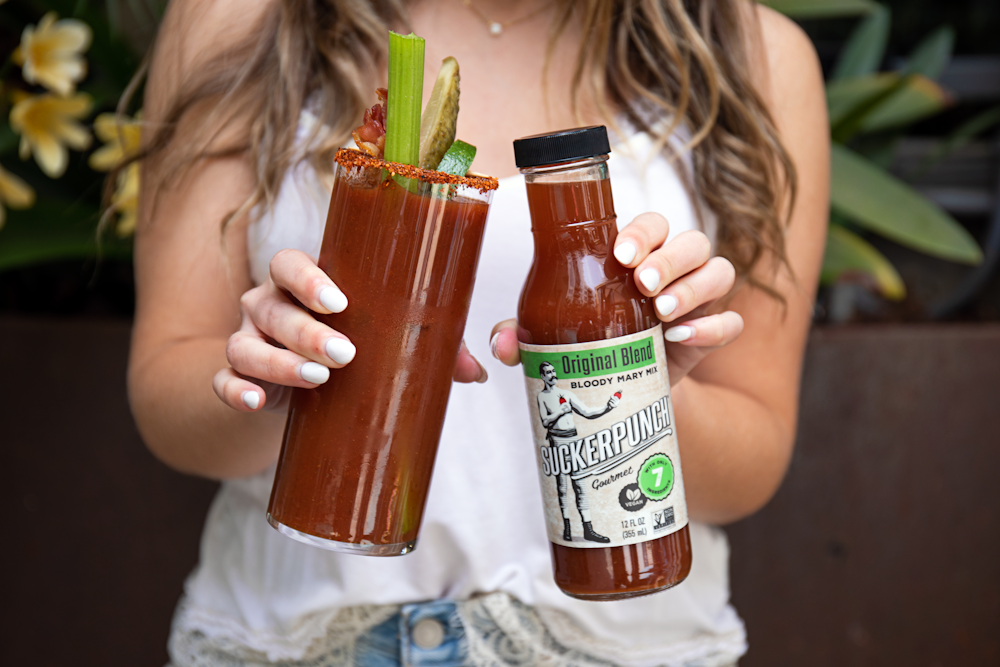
x=577 y=292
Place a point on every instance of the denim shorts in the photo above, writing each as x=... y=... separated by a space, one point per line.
x=429 y=633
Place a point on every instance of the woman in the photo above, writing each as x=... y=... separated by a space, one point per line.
x=721 y=144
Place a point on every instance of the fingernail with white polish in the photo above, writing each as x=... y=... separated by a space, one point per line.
x=650 y=279
x=340 y=350
x=625 y=253
x=251 y=399
x=333 y=299
x=677 y=334
x=665 y=304
x=493 y=345
x=313 y=372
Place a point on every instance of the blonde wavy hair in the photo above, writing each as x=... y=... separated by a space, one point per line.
x=684 y=61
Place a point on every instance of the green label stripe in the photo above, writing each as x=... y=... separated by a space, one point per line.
x=594 y=362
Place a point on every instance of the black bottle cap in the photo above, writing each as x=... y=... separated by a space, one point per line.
x=563 y=146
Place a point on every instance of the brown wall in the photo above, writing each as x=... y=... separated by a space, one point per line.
x=882 y=547
x=98 y=536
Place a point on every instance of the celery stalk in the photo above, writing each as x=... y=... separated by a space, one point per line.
x=406 y=87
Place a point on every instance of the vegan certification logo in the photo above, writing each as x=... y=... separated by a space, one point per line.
x=631 y=498
x=656 y=477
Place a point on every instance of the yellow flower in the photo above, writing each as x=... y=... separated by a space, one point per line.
x=49 y=53
x=121 y=140
x=125 y=200
x=14 y=192
x=47 y=124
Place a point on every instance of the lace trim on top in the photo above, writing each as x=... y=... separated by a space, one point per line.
x=201 y=638
x=500 y=632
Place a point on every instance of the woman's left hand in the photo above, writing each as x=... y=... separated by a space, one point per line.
x=686 y=282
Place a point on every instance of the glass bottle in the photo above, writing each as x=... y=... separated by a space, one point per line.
x=593 y=354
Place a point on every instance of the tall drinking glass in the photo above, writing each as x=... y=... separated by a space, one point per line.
x=355 y=465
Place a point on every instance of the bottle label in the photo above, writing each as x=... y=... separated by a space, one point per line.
x=605 y=440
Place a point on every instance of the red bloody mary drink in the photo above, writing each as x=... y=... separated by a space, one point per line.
x=594 y=361
x=356 y=461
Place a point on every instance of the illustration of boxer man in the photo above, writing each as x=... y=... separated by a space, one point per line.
x=556 y=407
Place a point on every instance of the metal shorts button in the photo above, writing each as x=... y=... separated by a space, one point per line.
x=427 y=633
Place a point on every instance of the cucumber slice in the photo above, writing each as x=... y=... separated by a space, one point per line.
x=458 y=159
x=440 y=117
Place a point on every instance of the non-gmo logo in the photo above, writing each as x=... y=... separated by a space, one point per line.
x=663 y=520
x=631 y=498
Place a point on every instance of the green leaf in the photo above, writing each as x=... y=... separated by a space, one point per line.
x=932 y=54
x=847 y=252
x=865 y=47
x=53 y=230
x=818 y=9
x=917 y=99
x=879 y=102
x=885 y=205
x=846 y=96
x=850 y=101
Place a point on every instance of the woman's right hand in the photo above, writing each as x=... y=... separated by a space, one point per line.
x=280 y=344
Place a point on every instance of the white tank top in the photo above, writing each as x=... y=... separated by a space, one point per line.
x=257 y=588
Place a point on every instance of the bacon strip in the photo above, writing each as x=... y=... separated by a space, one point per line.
x=370 y=136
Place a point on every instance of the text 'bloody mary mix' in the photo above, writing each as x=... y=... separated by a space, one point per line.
x=594 y=360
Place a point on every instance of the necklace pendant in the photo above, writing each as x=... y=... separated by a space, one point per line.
x=495 y=28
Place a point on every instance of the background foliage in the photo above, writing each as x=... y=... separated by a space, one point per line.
x=62 y=223
x=870 y=111
x=871 y=107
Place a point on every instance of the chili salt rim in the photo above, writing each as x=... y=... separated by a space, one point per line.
x=349 y=157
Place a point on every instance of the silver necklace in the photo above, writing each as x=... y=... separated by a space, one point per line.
x=496 y=28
